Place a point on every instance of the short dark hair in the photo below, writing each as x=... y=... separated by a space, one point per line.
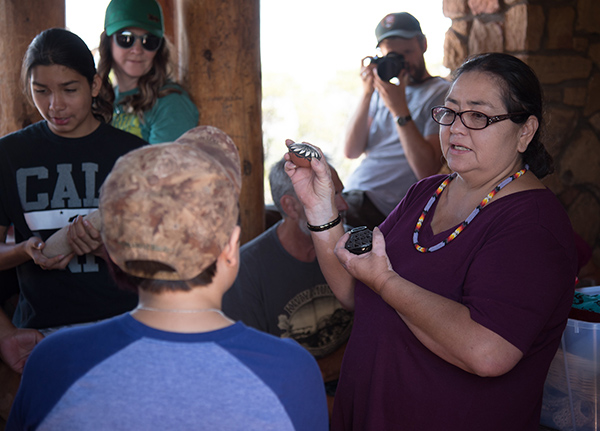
x=522 y=92
x=281 y=184
x=132 y=283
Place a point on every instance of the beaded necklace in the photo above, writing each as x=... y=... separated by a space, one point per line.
x=468 y=220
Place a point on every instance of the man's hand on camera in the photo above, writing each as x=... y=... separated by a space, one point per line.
x=367 y=74
x=394 y=95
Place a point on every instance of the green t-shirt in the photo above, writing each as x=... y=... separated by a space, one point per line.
x=170 y=117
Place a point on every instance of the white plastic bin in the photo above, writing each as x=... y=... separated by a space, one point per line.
x=571 y=400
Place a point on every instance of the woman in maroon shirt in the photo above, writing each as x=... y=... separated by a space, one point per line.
x=461 y=303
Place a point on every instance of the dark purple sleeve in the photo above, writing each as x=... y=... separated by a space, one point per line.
x=521 y=282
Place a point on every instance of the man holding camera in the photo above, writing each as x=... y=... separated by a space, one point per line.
x=392 y=125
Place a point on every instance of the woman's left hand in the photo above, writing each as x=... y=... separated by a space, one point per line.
x=83 y=237
x=372 y=268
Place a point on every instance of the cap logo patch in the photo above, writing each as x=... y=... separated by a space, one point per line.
x=388 y=21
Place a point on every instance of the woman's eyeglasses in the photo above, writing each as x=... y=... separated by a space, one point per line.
x=471 y=119
x=125 y=39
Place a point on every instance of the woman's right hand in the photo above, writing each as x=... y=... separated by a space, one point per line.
x=314 y=187
x=34 y=247
x=315 y=190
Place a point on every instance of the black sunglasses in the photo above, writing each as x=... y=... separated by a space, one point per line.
x=125 y=39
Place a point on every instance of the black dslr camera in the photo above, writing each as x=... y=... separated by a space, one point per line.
x=388 y=67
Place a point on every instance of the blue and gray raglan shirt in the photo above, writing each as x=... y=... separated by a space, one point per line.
x=120 y=374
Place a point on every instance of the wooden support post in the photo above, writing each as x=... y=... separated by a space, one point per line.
x=20 y=21
x=218 y=45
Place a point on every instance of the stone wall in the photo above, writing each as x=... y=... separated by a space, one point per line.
x=560 y=40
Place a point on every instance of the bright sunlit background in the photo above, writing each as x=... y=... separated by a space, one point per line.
x=311 y=52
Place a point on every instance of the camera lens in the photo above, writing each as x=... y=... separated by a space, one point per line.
x=390 y=66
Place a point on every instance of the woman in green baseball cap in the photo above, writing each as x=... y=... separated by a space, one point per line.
x=135 y=53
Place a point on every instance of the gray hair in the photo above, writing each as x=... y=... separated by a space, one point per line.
x=281 y=184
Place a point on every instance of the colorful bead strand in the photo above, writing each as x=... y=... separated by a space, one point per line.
x=468 y=220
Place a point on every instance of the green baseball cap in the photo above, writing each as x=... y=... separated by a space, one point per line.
x=401 y=24
x=146 y=14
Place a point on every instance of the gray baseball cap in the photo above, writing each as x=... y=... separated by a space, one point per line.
x=400 y=24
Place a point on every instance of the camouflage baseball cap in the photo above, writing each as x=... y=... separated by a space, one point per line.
x=400 y=24
x=175 y=204
x=146 y=14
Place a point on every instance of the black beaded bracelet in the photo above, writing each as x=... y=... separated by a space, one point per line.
x=325 y=226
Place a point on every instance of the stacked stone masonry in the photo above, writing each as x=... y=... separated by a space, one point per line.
x=560 y=40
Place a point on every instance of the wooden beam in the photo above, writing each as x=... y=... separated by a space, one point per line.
x=20 y=22
x=218 y=45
